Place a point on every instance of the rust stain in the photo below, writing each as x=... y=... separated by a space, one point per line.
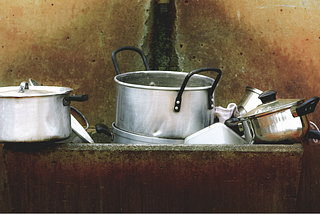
x=151 y=181
x=266 y=45
x=67 y=44
x=254 y=44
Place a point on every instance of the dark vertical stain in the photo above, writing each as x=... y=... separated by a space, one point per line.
x=162 y=47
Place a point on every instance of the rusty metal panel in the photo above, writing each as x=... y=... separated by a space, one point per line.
x=309 y=187
x=153 y=178
x=5 y=200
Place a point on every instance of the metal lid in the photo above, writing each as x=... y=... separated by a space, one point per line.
x=270 y=105
x=33 y=91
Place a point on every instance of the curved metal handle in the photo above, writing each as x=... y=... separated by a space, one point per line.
x=313 y=134
x=83 y=117
x=102 y=128
x=32 y=82
x=177 y=104
x=114 y=60
x=233 y=123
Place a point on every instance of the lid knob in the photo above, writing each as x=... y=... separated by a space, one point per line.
x=268 y=96
x=23 y=86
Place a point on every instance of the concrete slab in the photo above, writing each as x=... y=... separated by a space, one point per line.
x=153 y=178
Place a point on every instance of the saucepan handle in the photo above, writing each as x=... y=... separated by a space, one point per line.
x=82 y=116
x=77 y=98
x=102 y=128
x=233 y=123
x=314 y=134
x=114 y=60
x=177 y=104
x=307 y=107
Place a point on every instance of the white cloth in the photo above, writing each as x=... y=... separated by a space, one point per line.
x=222 y=114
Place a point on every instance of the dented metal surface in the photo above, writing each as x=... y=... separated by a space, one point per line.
x=153 y=178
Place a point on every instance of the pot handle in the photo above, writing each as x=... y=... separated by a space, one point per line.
x=101 y=128
x=78 y=98
x=313 y=134
x=114 y=60
x=306 y=108
x=233 y=123
x=268 y=96
x=83 y=117
x=177 y=104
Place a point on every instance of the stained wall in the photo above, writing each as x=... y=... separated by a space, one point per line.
x=69 y=43
x=262 y=44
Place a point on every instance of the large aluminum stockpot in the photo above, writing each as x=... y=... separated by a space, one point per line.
x=35 y=113
x=165 y=104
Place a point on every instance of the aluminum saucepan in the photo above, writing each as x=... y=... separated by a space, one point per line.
x=276 y=121
x=164 y=104
x=75 y=125
x=35 y=113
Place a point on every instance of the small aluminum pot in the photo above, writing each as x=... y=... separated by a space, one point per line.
x=35 y=113
x=250 y=100
x=276 y=121
x=164 y=104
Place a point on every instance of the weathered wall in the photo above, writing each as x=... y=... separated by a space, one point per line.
x=69 y=43
x=263 y=44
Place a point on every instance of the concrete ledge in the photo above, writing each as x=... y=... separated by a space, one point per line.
x=295 y=148
x=79 y=177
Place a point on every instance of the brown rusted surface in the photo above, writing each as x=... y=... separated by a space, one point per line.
x=70 y=44
x=262 y=44
x=309 y=187
x=5 y=200
x=153 y=178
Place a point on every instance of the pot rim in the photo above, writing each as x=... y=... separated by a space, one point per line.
x=254 y=90
x=160 y=87
x=272 y=110
x=43 y=91
x=144 y=139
